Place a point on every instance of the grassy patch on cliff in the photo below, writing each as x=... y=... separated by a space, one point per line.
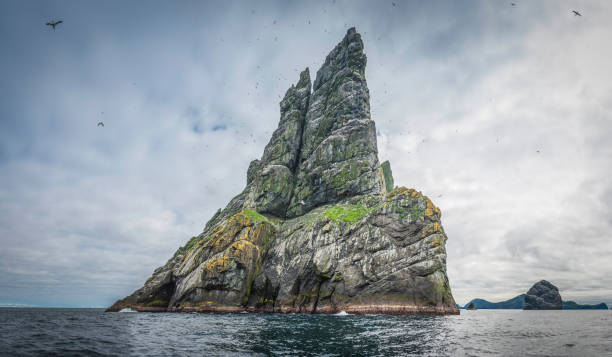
x=190 y=244
x=256 y=217
x=187 y=246
x=347 y=213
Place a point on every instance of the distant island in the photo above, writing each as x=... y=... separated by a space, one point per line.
x=571 y=305
x=518 y=303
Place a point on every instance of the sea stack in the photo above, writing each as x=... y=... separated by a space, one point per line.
x=319 y=227
x=543 y=296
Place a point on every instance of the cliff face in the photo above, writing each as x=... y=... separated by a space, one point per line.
x=319 y=227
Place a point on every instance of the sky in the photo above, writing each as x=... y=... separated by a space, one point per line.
x=501 y=114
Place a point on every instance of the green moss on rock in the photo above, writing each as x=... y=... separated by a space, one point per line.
x=387 y=175
x=347 y=213
x=256 y=217
x=158 y=303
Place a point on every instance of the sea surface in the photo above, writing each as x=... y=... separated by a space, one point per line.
x=92 y=332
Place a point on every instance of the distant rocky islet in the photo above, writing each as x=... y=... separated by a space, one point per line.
x=543 y=295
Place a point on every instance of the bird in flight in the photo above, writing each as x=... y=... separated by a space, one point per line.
x=101 y=124
x=576 y=13
x=513 y=4
x=54 y=23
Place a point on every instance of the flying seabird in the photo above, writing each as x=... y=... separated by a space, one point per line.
x=54 y=23
x=576 y=13
x=101 y=124
x=302 y=202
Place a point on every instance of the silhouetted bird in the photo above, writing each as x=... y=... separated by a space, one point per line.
x=53 y=24
x=576 y=13
x=101 y=124
x=513 y=4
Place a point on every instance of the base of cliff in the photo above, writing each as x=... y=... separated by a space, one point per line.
x=350 y=309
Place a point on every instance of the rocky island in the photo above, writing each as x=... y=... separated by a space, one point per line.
x=543 y=296
x=572 y=305
x=516 y=302
x=319 y=227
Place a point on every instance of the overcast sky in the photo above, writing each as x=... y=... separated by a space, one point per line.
x=500 y=114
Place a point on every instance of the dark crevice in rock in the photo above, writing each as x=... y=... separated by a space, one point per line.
x=295 y=166
x=316 y=297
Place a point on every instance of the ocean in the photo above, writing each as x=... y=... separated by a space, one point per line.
x=92 y=332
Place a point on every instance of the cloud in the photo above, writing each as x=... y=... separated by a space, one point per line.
x=500 y=114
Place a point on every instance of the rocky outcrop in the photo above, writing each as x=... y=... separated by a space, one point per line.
x=319 y=227
x=543 y=296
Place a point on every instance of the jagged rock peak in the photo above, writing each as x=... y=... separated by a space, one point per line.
x=349 y=52
x=339 y=155
x=324 y=149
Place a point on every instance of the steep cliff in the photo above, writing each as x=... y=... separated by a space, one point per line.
x=318 y=227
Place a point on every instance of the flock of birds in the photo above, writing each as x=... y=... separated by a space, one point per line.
x=53 y=24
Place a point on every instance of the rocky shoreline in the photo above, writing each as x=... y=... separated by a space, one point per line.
x=398 y=310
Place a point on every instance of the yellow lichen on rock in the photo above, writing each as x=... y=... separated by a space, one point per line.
x=431 y=211
x=223 y=235
x=218 y=264
x=245 y=251
x=240 y=239
x=436 y=241
x=431 y=229
x=409 y=193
